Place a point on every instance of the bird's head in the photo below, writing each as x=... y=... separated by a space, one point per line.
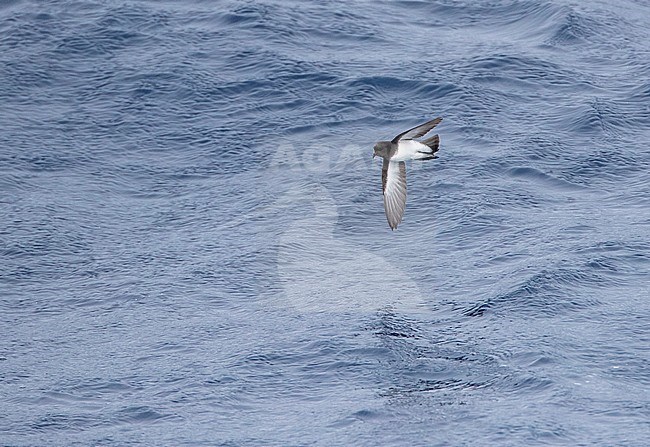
x=381 y=149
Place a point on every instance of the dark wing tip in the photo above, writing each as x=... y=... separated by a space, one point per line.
x=418 y=131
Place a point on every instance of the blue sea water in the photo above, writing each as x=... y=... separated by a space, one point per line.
x=193 y=247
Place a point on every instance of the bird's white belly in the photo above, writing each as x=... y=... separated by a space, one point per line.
x=408 y=150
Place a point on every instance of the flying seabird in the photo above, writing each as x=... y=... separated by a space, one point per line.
x=393 y=174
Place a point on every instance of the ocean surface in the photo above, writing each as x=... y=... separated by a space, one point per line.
x=194 y=251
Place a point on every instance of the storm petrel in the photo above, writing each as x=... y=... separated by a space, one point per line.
x=393 y=174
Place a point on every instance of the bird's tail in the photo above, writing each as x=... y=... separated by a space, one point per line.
x=433 y=143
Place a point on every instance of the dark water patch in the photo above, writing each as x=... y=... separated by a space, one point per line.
x=438 y=381
x=621 y=259
x=545 y=294
x=21 y=31
x=385 y=84
x=141 y=415
x=591 y=29
x=477 y=107
x=360 y=416
x=246 y=14
x=46 y=161
x=93 y=45
x=394 y=326
x=302 y=24
x=347 y=28
x=57 y=32
x=474 y=226
x=542 y=178
x=605 y=166
x=147 y=86
x=639 y=95
x=501 y=15
x=541 y=149
x=9 y=4
x=598 y=116
x=528 y=70
x=65 y=422
x=429 y=387
x=439 y=90
x=631 y=111
x=574 y=28
x=255 y=63
x=20 y=75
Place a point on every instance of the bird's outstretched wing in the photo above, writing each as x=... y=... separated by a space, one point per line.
x=393 y=179
x=417 y=131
